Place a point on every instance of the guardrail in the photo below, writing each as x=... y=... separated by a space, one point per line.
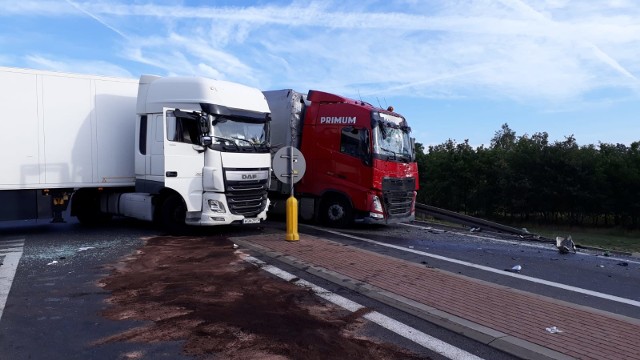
x=470 y=221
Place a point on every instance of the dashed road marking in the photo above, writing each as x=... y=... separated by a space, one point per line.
x=11 y=252
x=408 y=332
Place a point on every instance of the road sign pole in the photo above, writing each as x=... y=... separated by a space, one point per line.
x=292 y=219
x=292 y=205
x=289 y=167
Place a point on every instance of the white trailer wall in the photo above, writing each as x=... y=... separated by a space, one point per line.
x=62 y=130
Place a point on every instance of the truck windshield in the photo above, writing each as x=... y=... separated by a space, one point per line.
x=392 y=141
x=241 y=135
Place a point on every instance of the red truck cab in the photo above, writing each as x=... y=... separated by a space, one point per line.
x=360 y=162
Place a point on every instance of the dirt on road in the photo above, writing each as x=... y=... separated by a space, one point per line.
x=198 y=290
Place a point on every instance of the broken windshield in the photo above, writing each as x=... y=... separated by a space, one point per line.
x=391 y=141
x=243 y=135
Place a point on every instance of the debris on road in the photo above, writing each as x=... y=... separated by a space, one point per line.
x=553 y=330
x=515 y=269
x=86 y=248
x=53 y=262
x=623 y=263
x=565 y=245
x=475 y=229
x=235 y=246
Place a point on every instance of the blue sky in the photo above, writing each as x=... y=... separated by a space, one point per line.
x=455 y=69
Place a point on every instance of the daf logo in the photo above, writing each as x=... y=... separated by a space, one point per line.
x=249 y=176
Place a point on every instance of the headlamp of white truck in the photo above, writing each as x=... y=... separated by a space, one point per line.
x=217 y=206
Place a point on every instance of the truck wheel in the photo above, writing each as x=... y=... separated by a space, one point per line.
x=336 y=212
x=173 y=213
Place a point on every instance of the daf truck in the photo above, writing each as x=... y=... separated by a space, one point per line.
x=175 y=150
x=360 y=161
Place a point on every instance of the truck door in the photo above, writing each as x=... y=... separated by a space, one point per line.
x=156 y=140
x=183 y=159
x=348 y=163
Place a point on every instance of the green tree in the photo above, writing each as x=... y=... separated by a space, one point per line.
x=529 y=178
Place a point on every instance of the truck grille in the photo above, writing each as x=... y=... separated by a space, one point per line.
x=397 y=195
x=248 y=198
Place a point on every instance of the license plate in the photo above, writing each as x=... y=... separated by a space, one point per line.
x=251 y=221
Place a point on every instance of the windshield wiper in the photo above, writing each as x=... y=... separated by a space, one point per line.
x=395 y=155
x=249 y=141
x=226 y=140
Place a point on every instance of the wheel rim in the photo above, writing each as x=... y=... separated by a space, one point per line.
x=335 y=212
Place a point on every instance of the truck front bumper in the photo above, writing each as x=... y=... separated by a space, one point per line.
x=209 y=217
x=368 y=219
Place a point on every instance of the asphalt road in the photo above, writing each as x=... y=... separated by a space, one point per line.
x=53 y=309
x=614 y=275
x=55 y=306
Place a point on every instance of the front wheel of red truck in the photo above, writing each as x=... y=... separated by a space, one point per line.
x=336 y=211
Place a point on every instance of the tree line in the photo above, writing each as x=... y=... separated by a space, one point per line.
x=529 y=179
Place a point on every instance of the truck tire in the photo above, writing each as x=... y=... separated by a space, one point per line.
x=336 y=212
x=173 y=214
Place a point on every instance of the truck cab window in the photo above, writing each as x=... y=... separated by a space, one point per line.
x=349 y=141
x=181 y=129
x=142 y=142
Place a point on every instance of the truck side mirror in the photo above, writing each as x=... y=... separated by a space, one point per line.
x=365 y=144
x=206 y=140
x=204 y=124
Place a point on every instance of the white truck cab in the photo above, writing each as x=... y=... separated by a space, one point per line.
x=174 y=150
x=206 y=142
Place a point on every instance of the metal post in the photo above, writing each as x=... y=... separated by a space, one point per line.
x=292 y=205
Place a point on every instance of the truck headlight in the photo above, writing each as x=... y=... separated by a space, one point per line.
x=217 y=206
x=376 y=210
x=376 y=205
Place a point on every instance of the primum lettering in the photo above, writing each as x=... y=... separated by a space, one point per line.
x=337 y=120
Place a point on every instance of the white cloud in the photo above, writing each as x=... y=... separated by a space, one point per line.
x=551 y=51
x=76 y=66
x=34 y=8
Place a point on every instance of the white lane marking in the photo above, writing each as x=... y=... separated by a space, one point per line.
x=418 y=337
x=17 y=242
x=7 y=273
x=10 y=250
x=548 y=247
x=490 y=269
x=408 y=332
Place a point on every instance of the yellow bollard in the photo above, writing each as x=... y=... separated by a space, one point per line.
x=292 y=219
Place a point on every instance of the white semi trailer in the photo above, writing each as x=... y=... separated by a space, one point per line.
x=176 y=150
